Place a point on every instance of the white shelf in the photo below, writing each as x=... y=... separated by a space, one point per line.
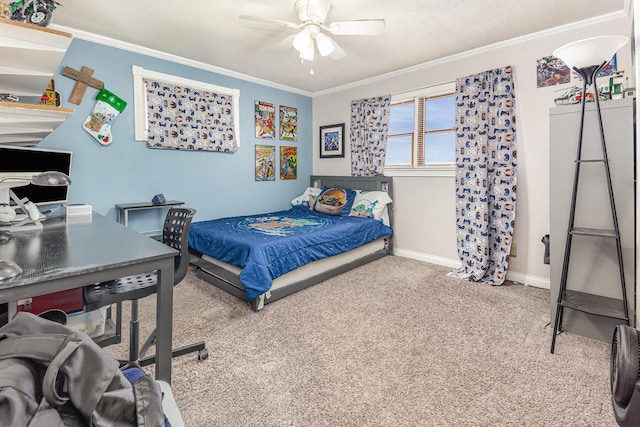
x=28 y=124
x=29 y=58
x=13 y=43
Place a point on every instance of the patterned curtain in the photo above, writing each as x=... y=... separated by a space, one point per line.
x=369 y=127
x=485 y=174
x=184 y=118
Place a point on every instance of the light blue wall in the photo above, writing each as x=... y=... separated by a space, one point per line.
x=216 y=184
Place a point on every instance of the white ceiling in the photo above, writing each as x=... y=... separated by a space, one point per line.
x=417 y=31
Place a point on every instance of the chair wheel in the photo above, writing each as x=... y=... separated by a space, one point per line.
x=203 y=354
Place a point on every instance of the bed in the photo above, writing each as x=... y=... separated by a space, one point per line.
x=262 y=258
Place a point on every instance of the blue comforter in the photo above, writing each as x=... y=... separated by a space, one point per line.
x=269 y=245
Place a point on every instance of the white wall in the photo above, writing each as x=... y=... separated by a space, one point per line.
x=425 y=206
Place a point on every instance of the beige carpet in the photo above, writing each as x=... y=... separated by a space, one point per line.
x=392 y=343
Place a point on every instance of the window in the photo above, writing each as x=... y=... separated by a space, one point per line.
x=141 y=117
x=422 y=129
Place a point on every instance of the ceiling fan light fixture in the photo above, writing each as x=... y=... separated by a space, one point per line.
x=308 y=53
x=314 y=31
x=302 y=41
x=325 y=45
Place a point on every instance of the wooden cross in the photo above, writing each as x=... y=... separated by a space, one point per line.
x=84 y=79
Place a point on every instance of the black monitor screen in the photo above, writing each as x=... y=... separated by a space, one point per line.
x=19 y=159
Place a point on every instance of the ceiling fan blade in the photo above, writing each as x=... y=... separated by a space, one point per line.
x=269 y=20
x=283 y=45
x=361 y=27
x=338 y=52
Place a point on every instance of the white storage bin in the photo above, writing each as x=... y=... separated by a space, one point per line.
x=91 y=323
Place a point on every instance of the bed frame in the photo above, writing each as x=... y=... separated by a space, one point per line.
x=230 y=282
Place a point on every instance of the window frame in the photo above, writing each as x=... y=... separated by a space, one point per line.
x=433 y=169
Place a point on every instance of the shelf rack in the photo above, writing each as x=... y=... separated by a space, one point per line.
x=29 y=59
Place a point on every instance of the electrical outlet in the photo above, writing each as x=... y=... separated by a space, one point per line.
x=514 y=250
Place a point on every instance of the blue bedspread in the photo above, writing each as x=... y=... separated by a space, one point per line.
x=269 y=245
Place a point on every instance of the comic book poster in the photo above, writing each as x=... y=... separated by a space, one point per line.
x=288 y=123
x=610 y=67
x=288 y=162
x=552 y=71
x=265 y=120
x=265 y=163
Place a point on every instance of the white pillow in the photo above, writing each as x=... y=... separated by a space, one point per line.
x=308 y=198
x=384 y=217
x=371 y=204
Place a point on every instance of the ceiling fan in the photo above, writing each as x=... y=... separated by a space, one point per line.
x=314 y=26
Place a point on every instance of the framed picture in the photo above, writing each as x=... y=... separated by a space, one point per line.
x=265 y=162
x=288 y=123
x=332 y=141
x=265 y=116
x=288 y=162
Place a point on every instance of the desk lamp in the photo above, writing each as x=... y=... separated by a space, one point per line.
x=20 y=179
x=9 y=269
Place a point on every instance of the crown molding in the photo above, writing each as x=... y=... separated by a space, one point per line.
x=623 y=13
x=107 y=41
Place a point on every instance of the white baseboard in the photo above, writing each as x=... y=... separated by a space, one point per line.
x=446 y=262
x=522 y=278
x=529 y=280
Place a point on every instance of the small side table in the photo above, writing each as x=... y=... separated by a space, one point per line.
x=122 y=210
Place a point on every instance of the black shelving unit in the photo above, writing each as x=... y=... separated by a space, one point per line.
x=577 y=300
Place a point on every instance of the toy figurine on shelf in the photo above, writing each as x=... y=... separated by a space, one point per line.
x=5 y=10
x=7 y=97
x=573 y=95
x=616 y=85
x=37 y=12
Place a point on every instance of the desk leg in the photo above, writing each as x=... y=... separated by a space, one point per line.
x=164 y=321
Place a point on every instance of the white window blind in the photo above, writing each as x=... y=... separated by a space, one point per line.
x=422 y=129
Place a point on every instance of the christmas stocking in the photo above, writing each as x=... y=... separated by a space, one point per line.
x=104 y=113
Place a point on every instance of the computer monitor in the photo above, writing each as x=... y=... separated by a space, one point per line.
x=25 y=159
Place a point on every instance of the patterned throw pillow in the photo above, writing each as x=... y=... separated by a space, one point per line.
x=308 y=198
x=335 y=201
x=370 y=204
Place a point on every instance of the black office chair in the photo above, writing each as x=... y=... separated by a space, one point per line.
x=174 y=234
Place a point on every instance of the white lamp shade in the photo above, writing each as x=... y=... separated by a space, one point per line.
x=325 y=45
x=302 y=41
x=308 y=53
x=591 y=51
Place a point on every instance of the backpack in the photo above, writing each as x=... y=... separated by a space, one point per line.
x=51 y=375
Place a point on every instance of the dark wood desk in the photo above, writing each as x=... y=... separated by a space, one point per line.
x=72 y=252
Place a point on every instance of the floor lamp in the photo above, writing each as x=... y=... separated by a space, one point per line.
x=588 y=57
